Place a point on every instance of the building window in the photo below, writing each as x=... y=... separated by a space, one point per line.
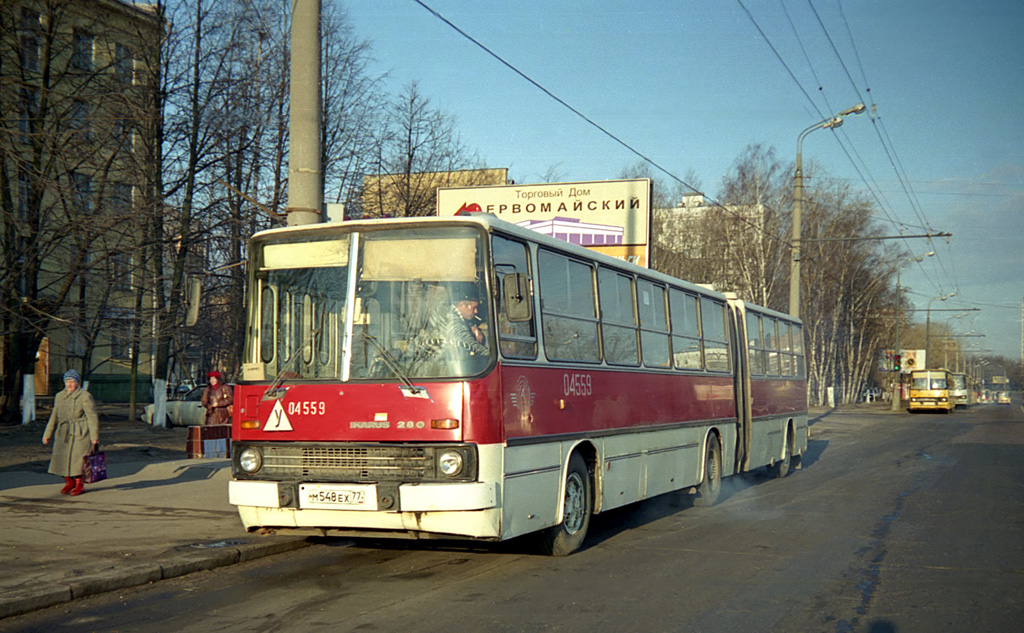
x=124 y=133
x=81 y=192
x=28 y=109
x=120 y=202
x=120 y=269
x=124 y=64
x=119 y=330
x=24 y=194
x=79 y=119
x=76 y=342
x=29 y=36
x=82 y=54
x=29 y=52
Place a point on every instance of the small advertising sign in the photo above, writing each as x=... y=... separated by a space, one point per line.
x=912 y=359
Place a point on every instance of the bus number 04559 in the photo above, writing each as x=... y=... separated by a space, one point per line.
x=307 y=408
x=576 y=384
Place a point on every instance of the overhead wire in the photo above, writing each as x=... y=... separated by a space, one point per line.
x=737 y=216
x=876 y=121
x=886 y=142
x=882 y=204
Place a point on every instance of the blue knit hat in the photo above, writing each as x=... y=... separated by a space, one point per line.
x=71 y=374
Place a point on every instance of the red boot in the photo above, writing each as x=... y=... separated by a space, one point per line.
x=79 y=488
x=69 y=483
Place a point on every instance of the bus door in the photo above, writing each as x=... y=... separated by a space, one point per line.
x=741 y=378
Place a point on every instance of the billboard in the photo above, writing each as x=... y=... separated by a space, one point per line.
x=903 y=361
x=608 y=216
x=914 y=359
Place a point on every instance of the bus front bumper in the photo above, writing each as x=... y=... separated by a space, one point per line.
x=465 y=509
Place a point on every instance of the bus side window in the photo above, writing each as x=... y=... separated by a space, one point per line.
x=771 y=342
x=618 y=318
x=686 y=348
x=786 y=348
x=569 y=309
x=798 y=349
x=654 y=336
x=516 y=339
x=755 y=343
x=716 y=338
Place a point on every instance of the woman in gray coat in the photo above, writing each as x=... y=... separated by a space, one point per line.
x=73 y=424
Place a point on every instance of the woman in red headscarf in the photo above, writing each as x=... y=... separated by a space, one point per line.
x=217 y=398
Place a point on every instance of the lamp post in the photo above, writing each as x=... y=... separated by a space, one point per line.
x=798 y=202
x=928 y=328
x=949 y=328
x=896 y=393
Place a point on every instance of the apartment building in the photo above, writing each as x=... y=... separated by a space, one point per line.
x=78 y=152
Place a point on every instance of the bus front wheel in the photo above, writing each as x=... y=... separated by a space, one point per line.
x=567 y=537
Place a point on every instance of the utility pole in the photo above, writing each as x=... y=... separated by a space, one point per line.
x=305 y=196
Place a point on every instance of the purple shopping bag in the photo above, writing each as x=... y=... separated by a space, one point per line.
x=94 y=466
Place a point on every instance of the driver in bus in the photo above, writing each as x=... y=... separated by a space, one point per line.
x=454 y=334
x=462 y=326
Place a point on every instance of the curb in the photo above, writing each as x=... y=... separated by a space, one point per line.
x=181 y=564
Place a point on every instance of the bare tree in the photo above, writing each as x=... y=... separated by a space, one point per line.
x=414 y=144
x=67 y=171
x=351 y=100
x=847 y=290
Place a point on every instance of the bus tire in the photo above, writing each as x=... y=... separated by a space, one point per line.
x=567 y=537
x=710 y=487
x=780 y=469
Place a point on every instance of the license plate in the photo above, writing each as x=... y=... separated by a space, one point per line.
x=338 y=497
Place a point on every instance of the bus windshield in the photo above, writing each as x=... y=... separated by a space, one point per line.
x=929 y=381
x=959 y=382
x=393 y=304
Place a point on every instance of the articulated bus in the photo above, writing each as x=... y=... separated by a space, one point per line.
x=930 y=391
x=958 y=392
x=465 y=377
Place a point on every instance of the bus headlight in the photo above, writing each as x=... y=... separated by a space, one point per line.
x=450 y=463
x=250 y=460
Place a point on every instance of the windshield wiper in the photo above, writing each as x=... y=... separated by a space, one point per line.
x=392 y=364
x=274 y=391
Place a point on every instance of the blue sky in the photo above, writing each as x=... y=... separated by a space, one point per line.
x=692 y=83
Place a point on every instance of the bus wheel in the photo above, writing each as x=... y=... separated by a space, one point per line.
x=711 y=486
x=780 y=469
x=566 y=537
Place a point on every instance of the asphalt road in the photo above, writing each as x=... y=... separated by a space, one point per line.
x=896 y=523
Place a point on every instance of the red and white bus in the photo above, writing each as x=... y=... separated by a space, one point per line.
x=366 y=409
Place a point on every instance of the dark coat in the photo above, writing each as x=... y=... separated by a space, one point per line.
x=217 y=401
x=74 y=426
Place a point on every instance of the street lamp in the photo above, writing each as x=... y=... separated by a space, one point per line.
x=928 y=328
x=798 y=202
x=896 y=350
x=949 y=328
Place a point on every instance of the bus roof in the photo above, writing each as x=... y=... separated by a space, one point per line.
x=490 y=222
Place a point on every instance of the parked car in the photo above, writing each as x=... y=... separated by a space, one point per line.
x=186 y=410
x=1003 y=397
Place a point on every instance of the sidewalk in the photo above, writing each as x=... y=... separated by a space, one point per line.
x=152 y=519
x=148 y=521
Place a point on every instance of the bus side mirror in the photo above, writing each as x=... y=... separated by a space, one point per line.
x=193 y=292
x=516 y=288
